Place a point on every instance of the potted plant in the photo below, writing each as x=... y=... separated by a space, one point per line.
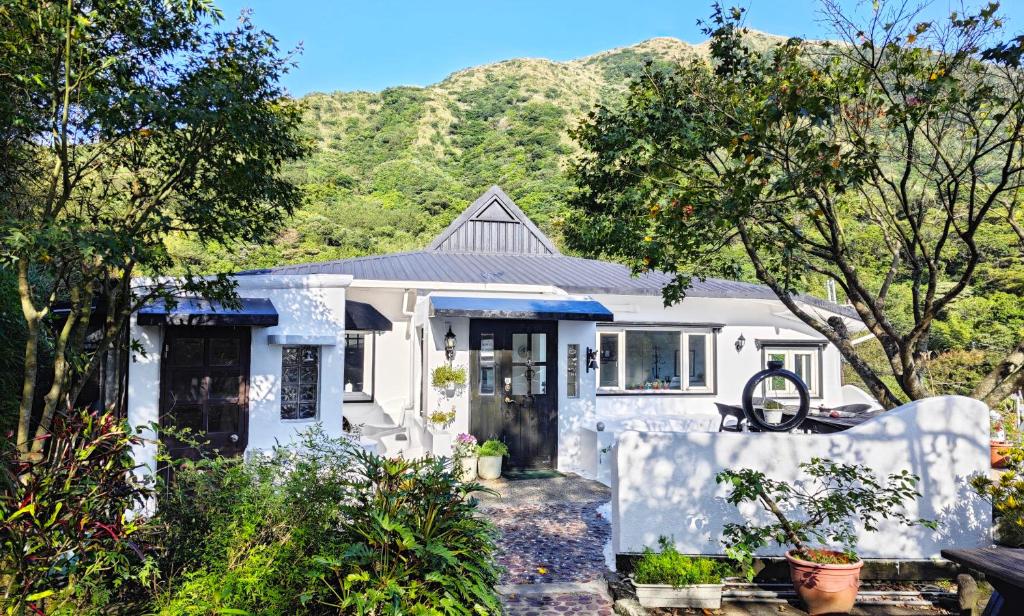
x=820 y=511
x=1004 y=430
x=464 y=454
x=447 y=378
x=1007 y=497
x=490 y=455
x=442 y=419
x=773 y=411
x=670 y=579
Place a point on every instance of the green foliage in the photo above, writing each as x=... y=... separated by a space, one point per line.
x=125 y=123
x=493 y=447
x=325 y=528
x=823 y=509
x=809 y=161
x=391 y=169
x=668 y=566
x=413 y=543
x=68 y=540
x=445 y=375
x=1007 y=497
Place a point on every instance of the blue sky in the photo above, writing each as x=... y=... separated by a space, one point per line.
x=374 y=44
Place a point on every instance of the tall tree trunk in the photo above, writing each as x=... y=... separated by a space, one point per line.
x=62 y=367
x=31 y=365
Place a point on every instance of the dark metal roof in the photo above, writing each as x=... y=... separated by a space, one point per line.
x=572 y=274
x=362 y=317
x=519 y=308
x=494 y=242
x=252 y=311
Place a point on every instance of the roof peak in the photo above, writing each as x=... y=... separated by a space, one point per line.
x=493 y=224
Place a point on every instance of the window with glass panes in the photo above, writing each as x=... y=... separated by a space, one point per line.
x=804 y=362
x=651 y=359
x=300 y=381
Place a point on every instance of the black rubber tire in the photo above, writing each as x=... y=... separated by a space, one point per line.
x=754 y=419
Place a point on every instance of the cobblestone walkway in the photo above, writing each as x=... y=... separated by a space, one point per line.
x=591 y=604
x=551 y=545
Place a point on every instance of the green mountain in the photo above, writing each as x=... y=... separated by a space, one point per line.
x=391 y=169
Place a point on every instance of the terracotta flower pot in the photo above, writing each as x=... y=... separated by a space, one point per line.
x=826 y=589
x=1000 y=453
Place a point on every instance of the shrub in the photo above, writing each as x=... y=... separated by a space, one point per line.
x=836 y=495
x=670 y=567
x=68 y=540
x=493 y=447
x=1007 y=497
x=325 y=528
x=413 y=543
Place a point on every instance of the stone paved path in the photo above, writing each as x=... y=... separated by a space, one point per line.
x=591 y=604
x=551 y=545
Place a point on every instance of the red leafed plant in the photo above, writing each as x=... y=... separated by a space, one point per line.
x=66 y=526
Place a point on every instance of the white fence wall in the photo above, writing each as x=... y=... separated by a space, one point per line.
x=663 y=483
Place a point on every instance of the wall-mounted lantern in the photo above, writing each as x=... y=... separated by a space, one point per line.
x=740 y=342
x=591 y=359
x=449 y=344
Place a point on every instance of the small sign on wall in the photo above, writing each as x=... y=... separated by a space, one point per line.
x=572 y=371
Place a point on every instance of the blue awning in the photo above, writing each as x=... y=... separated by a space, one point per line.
x=519 y=308
x=252 y=312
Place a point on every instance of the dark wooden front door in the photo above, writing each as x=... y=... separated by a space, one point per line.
x=204 y=386
x=514 y=388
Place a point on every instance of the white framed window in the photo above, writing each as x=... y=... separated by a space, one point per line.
x=805 y=362
x=650 y=360
x=359 y=366
x=300 y=381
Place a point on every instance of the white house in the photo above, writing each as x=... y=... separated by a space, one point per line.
x=553 y=346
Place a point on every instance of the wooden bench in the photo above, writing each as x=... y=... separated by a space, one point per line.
x=1003 y=568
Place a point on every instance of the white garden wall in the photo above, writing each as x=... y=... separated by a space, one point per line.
x=663 y=483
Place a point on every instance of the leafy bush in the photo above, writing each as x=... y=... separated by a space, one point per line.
x=413 y=543
x=836 y=495
x=1007 y=497
x=324 y=528
x=68 y=541
x=670 y=567
x=493 y=447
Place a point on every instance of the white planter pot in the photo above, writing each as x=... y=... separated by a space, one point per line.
x=662 y=595
x=489 y=467
x=773 y=417
x=468 y=468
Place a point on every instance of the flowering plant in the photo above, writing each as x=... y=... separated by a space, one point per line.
x=465 y=446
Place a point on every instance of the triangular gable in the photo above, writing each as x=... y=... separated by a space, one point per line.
x=493 y=224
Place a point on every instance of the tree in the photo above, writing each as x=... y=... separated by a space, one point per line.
x=875 y=161
x=122 y=123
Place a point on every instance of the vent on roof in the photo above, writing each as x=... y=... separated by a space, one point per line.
x=493 y=224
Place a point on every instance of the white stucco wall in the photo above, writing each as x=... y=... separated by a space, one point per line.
x=663 y=483
x=312 y=305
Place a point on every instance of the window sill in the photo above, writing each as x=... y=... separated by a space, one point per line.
x=653 y=392
x=358 y=397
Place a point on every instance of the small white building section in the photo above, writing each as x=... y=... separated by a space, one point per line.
x=220 y=372
x=554 y=347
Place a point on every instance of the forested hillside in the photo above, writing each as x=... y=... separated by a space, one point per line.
x=391 y=169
